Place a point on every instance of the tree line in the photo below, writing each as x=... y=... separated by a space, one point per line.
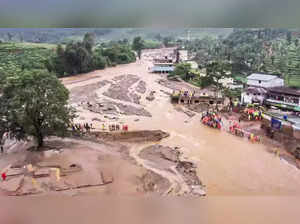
x=83 y=56
x=272 y=51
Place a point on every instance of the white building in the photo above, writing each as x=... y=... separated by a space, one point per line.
x=183 y=55
x=253 y=95
x=257 y=85
x=264 y=81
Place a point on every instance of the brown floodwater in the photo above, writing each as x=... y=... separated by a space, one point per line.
x=244 y=183
x=227 y=165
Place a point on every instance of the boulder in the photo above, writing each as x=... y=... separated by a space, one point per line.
x=198 y=190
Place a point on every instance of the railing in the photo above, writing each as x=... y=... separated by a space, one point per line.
x=282 y=102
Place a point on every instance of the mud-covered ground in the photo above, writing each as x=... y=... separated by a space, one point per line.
x=124 y=88
x=225 y=164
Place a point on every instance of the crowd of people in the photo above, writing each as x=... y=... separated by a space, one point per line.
x=253 y=114
x=82 y=127
x=212 y=120
x=86 y=127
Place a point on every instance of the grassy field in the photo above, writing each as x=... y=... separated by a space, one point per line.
x=15 y=57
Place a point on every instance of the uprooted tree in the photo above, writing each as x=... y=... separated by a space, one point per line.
x=34 y=104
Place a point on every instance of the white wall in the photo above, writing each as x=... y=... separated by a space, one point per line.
x=248 y=98
x=266 y=84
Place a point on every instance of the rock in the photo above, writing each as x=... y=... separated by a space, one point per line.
x=150 y=98
x=12 y=185
x=197 y=190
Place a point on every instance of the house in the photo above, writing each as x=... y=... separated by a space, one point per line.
x=230 y=83
x=284 y=98
x=257 y=85
x=210 y=96
x=162 y=65
x=183 y=55
x=253 y=95
x=264 y=80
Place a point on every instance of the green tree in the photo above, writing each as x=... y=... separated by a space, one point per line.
x=138 y=45
x=99 y=61
x=183 y=70
x=292 y=67
x=89 y=41
x=218 y=70
x=289 y=37
x=35 y=104
x=167 y=41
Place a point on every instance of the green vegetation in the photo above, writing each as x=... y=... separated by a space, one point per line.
x=81 y=57
x=271 y=51
x=34 y=103
x=138 y=45
x=214 y=72
x=151 y=44
x=17 y=57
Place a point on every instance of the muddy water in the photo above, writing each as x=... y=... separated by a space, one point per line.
x=227 y=165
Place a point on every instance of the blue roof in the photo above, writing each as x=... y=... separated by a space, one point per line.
x=162 y=69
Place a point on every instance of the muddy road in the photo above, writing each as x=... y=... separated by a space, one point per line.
x=226 y=165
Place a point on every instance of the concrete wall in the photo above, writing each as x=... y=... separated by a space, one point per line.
x=266 y=84
x=248 y=98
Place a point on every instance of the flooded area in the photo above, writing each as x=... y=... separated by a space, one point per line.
x=237 y=176
x=226 y=164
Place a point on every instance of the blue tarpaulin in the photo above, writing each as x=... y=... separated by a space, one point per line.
x=275 y=123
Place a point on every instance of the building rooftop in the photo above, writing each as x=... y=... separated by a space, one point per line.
x=262 y=77
x=162 y=69
x=285 y=90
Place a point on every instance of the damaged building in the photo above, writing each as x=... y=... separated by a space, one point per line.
x=208 y=95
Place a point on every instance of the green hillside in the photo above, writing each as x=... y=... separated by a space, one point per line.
x=15 y=57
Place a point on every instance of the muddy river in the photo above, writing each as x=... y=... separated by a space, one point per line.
x=227 y=165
